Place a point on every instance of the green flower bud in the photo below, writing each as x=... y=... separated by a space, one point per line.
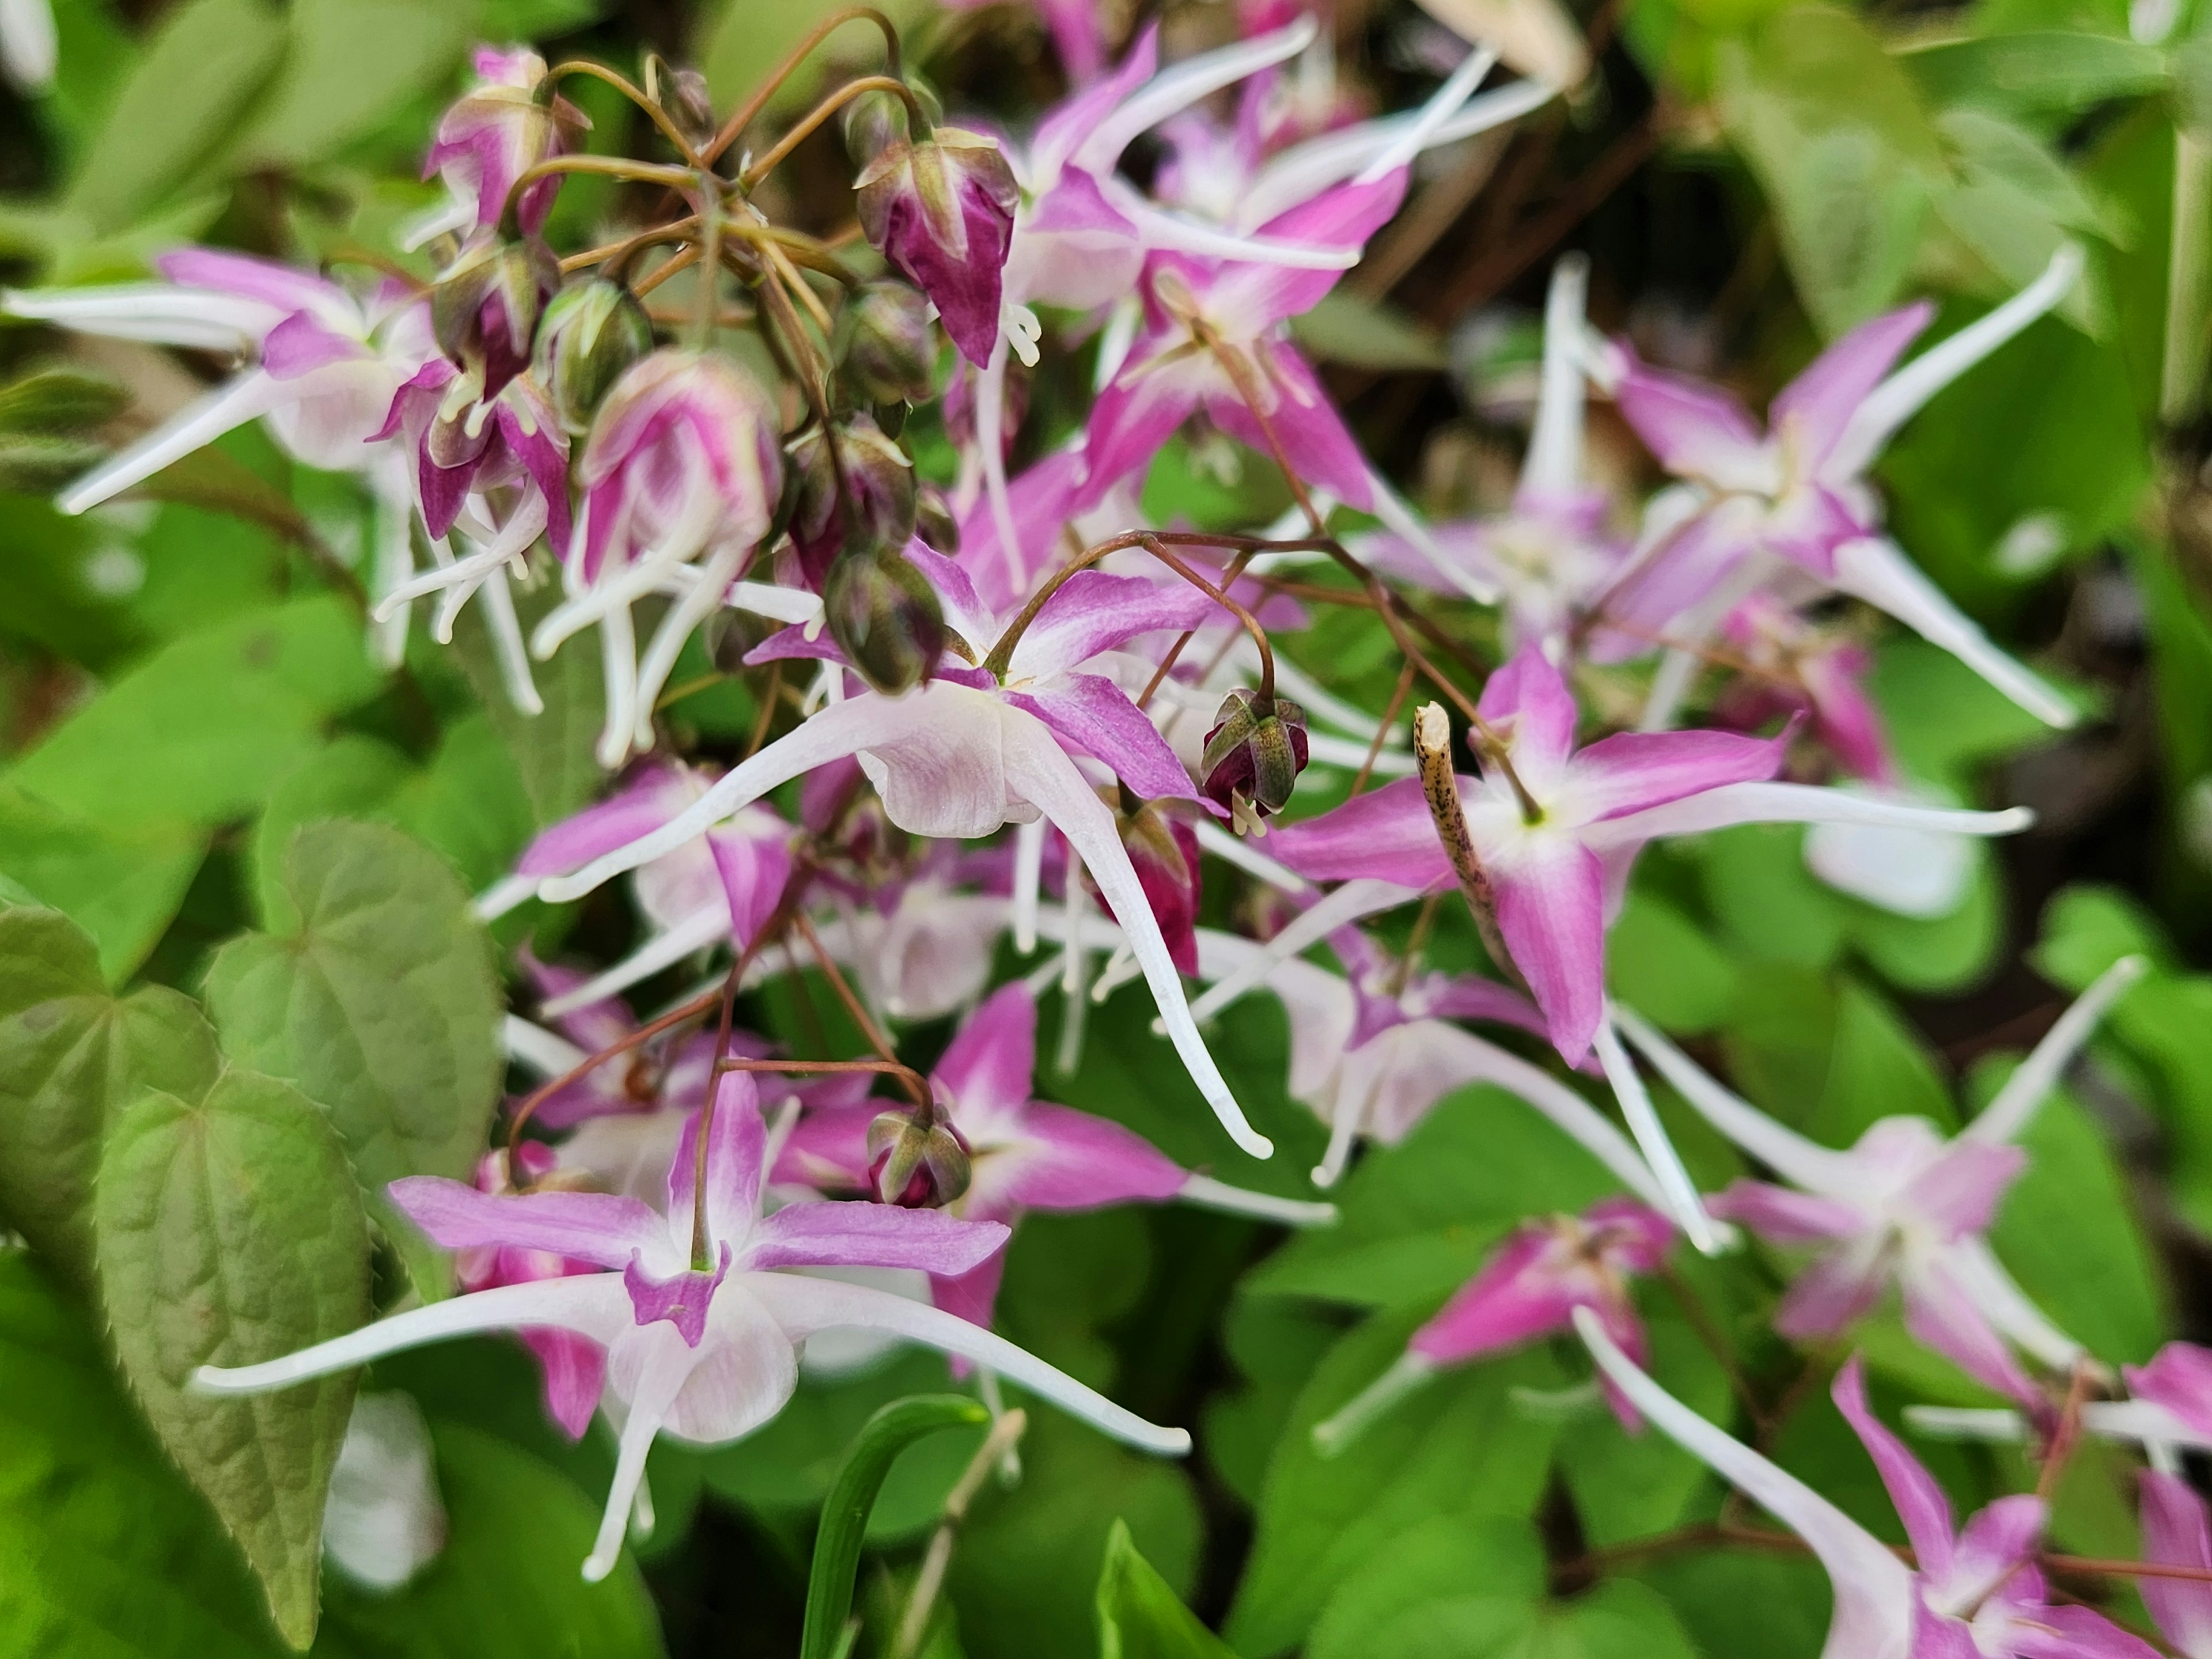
x=918 y=1162
x=1255 y=749
x=884 y=617
x=872 y=123
x=934 y=521
x=862 y=499
x=890 y=350
x=589 y=333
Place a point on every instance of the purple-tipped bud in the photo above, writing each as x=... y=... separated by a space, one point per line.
x=1165 y=850
x=589 y=335
x=919 y=1162
x=485 y=308
x=935 y=522
x=884 y=617
x=1255 y=749
x=941 y=209
x=890 y=350
x=859 y=498
x=499 y=130
x=690 y=104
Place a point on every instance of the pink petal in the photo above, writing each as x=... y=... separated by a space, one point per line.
x=1131 y=421
x=737 y=1143
x=1958 y=1193
x=1092 y=612
x=1386 y=833
x=286 y=286
x=1816 y=406
x=1835 y=1289
x=1939 y=1315
x=2072 y=1633
x=576 y=1369
x=1520 y=1294
x=596 y=1227
x=1694 y=430
x=1781 y=1216
x=1529 y=699
x=1639 y=1236
x=656 y=795
x=1920 y=1502
x=1996 y=1542
x=1259 y=295
x=1097 y=718
x=828 y=1148
x=1469 y=996
x=1041 y=500
x=753 y=871
x=299 y=343
x=990 y=1063
x=1551 y=909
x=1631 y=770
x=683 y=1299
x=2179 y=1379
x=836 y=1233
x=1070 y=1160
x=1319 y=448
x=2175 y=1535
x=971 y=1296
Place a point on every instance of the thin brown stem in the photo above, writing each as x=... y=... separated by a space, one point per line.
x=749 y=180
x=743 y=116
x=1715 y=1339
x=1404 y=689
x=616 y=255
x=682 y=261
x=630 y=90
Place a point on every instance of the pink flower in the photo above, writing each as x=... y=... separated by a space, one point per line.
x=2178 y=1382
x=1904 y=1205
x=1024 y=1154
x=1557 y=861
x=1975 y=1593
x=941 y=209
x=491 y=136
x=1531 y=1287
x=2176 y=1534
x=704 y=1348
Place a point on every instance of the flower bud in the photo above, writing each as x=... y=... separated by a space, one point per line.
x=684 y=96
x=919 y=1162
x=852 y=488
x=935 y=522
x=485 y=308
x=505 y=125
x=1255 y=750
x=590 y=332
x=890 y=350
x=1165 y=850
x=885 y=618
x=872 y=123
x=941 y=209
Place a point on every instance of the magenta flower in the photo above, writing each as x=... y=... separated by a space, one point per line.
x=1024 y=1153
x=2176 y=1534
x=1904 y=1205
x=1531 y=1287
x=973 y=749
x=1554 y=860
x=1975 y=1593
x=706 y=1351
x=941 y=209
x=491 y=136
x=1797 y=493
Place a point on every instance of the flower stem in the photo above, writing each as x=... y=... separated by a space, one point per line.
x=749 y=180
x=630 y=90
x=741 y=117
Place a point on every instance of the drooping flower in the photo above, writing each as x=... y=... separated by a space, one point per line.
x=940 y=207
x=1904 y=1205
x=1024 y=1153
x=977 y=748
x=1973 y=1591
x=700 y=1346
x=489 y=137
x=1531 y=1286
x=1795 y=498
x=1555 y=827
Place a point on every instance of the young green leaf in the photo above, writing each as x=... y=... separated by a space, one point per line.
x=231 y=1231
x=1138 y=1616
x=71 y=1058
x=379 y=1000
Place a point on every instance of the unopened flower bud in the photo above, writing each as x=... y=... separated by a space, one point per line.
x=485 y=308
x=934 y=521
x=684 y=96
x=852 y=488
x=872 y=123
x=590 y=332
x=507 y=123
x=890 y=349
x=1163 y=848
x=919 y=1162
x=1256 y=751
x=941 y=209
x=885 y=618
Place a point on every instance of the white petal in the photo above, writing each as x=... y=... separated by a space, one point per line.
x=1234 y=849
x=546 y=1053
x=1364 y=896
x=1978 y=1272
x=1180 y=87
x=1554 y=461
x=1336 y=1432
x=1791 y=803
x=1029 y=871
x=1429 y=120
x=668 y=639
x=383 y=1523
x=199 y=423
x=2004 y=1117
x=708 y=925
x=1211 y=1195
x=1682 y=1201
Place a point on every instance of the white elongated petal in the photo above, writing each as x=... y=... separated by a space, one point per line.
x=1873 y=1617
x=1304 y=170
x=990 y=444
x=1334 y=1433
x=2006 y=1115
x=1234 y=849
x=29 y=45
x=1443 y=104
x=467 y=570
x=247 y=398
x=1211 y=1195
x=1976 y=1270
x=502 y=896
x=1554 y=460
x=1802 y=1163
x=1347 y=1115
x=803 y=1306
x=2141 y=1420
x=618 y=663
x=157 y=313
x=1029 y=874
x=1903 y=394
x=647 y=1413
x=1179 y=87
x=708 y=925
x=1682 y=1201
x=1364 y=897
x=1793 y=803
x=690 y=610
x=1037 y=767
x=785 y=604
x=546 y=1053
x=383 y=1523
x=838 y=731
x=1876 y=569
x=593 y=1304
x=1996 y=1423
x=1398 y=516
x=1174 y=232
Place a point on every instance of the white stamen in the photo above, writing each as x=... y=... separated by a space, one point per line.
x=1028 y=877
x=1689 y=1210
x=1209 y=1194
x=708 y=925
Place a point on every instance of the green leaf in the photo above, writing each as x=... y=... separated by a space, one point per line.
x=1443 y=1559
x=853 y=1495
x=1743 y=1603
x=377 y=995
x=1628 y=1486
x=352 y=64
x=230 y=1231
x=60 y=396
x=1838 y=137
x=105 y=1550
x=1140 y=1617
x=352 y=777
x=121 y=889
x=1345 y=328
x=2086 y=929
x=552 y=751
x=193 y=82
x=71 y=1058
x=198 y=732
x=1275 y=1343
x=1460 y=1447
x=2034 y=70
x=505 y=1584
x=1658 y=963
